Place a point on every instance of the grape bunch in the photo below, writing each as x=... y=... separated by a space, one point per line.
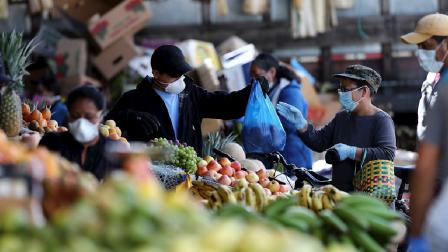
x=182 y=156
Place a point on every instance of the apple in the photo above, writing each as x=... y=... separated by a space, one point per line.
x=218 y=176
x=274 y=186
x=225 y=180
x=252 y=177
x=236 y=165
x=245 y=173
x=202 y=171
x=264 y=182
x=211 y=173
x=267 y=191
x=227 y=170
x=234 y=183
x=224 y=162
x=240 y=175
x=241 y=183
x=214 y=166
x=262 y=174
x=284 y=188
x=202 y=163
x=271 y=173
x=208 y=159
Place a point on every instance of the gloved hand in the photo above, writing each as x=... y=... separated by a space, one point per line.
x=418 y=244
x=292 y=115
x=345 y=151
x=263 y=83
x=144 y=121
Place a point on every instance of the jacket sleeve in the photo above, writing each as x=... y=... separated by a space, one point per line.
x=119 y=112
x=319 y=140
x=384 y=141
x=222 y=105
x=293 y=96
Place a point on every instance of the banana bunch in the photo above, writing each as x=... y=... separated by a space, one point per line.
x=364 y=222
x=324 y=198
x=203 y=190
x=252 y=196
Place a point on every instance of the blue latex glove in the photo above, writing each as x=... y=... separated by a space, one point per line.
x=345 y=151
x=292 y=115
x=418 y=244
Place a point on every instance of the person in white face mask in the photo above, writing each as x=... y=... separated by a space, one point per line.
x=82 y=144
x=432 y=53
x=171 y=106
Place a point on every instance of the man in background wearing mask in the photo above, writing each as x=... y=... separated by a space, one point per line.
x=360 y=128
x=429 y=35
x=171 y=106
x=83 y=144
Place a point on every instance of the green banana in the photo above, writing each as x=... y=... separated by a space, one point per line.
x=359 y=200
x=296 y=212
x=386 y=214
x=379 y=226
x=351 y=217
x=278 y=207
x=334 y=221
x=297 y=224
x=365 y=241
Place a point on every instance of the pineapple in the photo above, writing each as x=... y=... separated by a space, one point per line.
x=15 y=52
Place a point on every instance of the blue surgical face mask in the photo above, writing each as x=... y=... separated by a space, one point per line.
x=345 y=98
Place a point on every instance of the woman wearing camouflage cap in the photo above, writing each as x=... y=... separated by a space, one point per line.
x=360 y=127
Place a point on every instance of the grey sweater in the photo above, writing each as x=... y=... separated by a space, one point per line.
x=375 y=134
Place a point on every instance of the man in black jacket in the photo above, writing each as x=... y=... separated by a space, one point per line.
x=170 y=105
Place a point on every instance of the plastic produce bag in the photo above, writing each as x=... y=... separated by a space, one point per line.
x=262 y=132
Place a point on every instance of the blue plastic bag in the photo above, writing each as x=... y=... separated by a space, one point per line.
x=262 y=131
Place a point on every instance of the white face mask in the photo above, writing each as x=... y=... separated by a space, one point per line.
x=427 y=60
x=175 y=87
x=83 y=130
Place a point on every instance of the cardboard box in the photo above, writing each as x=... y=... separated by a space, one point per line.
x=71 y=57
x=69 y=83
x=82 y=11
x=115 y=58
x=125 y=19
x=199 y=52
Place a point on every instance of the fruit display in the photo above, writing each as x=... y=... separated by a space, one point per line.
x=178 y=154
x=356 y=221
x=40 y=119
x=15 y=53
x=230 y=173
x=111 y=130
x=129 y=214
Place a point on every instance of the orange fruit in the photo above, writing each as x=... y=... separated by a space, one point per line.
x=114 y=136
x=36 y=115
x=26 y=109
x=46 y=113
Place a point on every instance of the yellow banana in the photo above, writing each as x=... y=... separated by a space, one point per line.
x=251 y=198
x=326 y=202
x=333 y=193
x=304 y=199
x=226 y=194
x=261 y=199
x=317 y=201
x=215 y=200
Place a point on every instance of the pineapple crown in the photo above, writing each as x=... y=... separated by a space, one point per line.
x=16 y=53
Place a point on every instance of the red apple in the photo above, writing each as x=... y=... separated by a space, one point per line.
x=264 y=182
x=208 y=159
x=202 y=163
x=202 y=171
x=274 y=186
x=214 y=166
x=240 y=175
x=267 y=191
x=224 y=162
x=245 y=173
x=284 y=189
x=236 y=165
x=234 y=183
x=225 y=180
x=252 y=177
x=211 y=173
x=262 y=174
x=227 y=170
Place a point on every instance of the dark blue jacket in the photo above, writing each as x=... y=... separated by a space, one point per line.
x=295 y=150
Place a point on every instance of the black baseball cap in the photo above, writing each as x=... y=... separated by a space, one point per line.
x=169 y=59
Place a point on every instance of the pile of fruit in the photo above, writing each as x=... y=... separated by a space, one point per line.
x=111 y=130
x=321 y=198
x=177 y=154
x=232 y=174
x=40 y=120
x=356 y=221
x=129 y=214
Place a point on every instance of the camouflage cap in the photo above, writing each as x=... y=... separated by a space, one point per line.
x=362 y=73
